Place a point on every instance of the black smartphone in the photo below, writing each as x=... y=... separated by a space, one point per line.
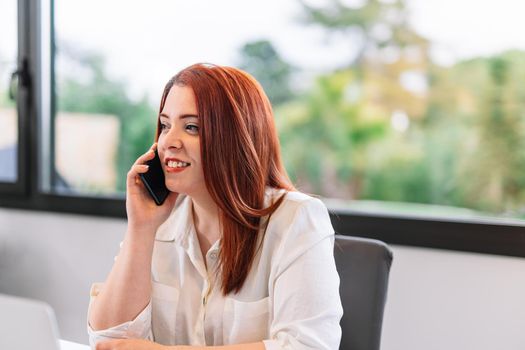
x=154 y=180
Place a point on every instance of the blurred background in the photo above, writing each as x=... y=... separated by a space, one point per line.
x=409 y=113
x=403 y=105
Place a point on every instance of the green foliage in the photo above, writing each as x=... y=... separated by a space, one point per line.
x=466 y=131
x=260 y=59
x=489 y=94
x=324 y=135
x=374 y=25
x=462 y=146
x=101 y=95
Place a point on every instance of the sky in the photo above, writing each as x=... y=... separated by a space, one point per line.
x=146 y=45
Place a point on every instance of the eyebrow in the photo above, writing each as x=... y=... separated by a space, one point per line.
x=183 y=116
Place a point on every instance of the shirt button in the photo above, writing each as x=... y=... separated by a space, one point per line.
x=213 y=255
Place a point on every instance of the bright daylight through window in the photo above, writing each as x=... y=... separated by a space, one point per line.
x=379 y=104
x=8 y=115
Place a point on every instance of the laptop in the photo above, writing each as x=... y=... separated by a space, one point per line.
x=27 y=324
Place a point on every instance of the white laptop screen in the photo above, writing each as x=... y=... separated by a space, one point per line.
x=27 y=324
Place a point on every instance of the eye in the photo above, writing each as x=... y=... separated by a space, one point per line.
x=192 y=129
x=163 y=126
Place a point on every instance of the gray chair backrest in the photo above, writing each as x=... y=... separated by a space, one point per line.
x=363 y=266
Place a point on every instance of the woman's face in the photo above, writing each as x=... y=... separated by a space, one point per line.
x=179 y=143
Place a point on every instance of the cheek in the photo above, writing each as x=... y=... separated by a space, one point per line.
x=160 y=151
x=160 y=145
x=160 y=139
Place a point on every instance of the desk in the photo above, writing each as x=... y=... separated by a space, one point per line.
x=68 y=345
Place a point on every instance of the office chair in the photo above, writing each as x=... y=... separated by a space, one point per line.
x=363 y=266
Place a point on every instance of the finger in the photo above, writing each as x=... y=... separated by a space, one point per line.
x=148 y=155
x=135 y=171
x=140 y=168
x=145 y=157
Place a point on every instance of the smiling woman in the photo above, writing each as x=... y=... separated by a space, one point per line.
x=235 y=257
x=378 y=130
x=401 y=134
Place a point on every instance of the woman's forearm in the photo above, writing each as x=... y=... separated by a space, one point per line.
x=127 y=289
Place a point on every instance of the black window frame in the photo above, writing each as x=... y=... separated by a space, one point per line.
x=488 y=236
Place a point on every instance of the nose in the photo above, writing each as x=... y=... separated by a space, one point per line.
x=177 y=143
x=172 y=139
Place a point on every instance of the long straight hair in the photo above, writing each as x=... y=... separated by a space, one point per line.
x=240 y=154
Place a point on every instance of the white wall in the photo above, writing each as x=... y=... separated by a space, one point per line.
x=444 y=300
x=55 y=258
x=437 y=299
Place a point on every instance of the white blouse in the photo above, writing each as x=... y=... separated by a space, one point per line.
x=290 y=299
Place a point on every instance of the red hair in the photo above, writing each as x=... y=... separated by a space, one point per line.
x=241 y=156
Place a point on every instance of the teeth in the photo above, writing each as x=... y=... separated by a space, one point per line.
x=173 y=164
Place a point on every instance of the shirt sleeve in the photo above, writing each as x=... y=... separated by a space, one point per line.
x=139 y=328
x=305 y=285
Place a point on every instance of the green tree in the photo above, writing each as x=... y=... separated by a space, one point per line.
x=495 y=163
x=433 y=161
x=374 y=25
x=325 y=135
x=477 y=107
x=99 y=94
x=262 y=60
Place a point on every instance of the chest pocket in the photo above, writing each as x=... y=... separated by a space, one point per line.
x=164 y=300
x=245 y=322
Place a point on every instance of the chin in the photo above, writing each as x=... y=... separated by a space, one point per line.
x=174 y=186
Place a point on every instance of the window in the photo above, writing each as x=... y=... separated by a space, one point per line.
x=8 y=112
x=109 y=78
x=412 y=130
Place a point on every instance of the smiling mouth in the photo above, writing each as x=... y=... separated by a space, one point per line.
x=176 y=165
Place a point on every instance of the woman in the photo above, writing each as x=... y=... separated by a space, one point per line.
x=235 y=258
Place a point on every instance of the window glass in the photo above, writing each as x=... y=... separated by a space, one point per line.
x=379 y=104
x=8 y=114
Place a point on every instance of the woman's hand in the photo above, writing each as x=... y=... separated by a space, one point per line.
x=143 y=213
x=130 y=344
